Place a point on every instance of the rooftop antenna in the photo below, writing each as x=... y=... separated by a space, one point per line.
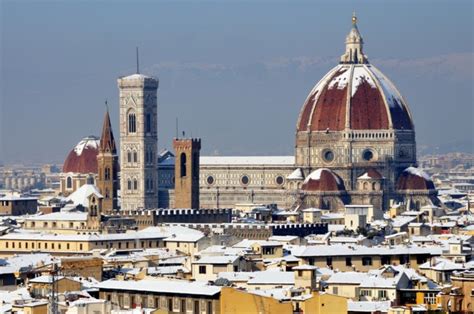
x=177 y=127
x=184 y=135
x=106 y=105
x=138 y=64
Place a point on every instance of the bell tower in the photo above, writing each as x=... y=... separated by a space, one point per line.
x=186 y=173
x=108 y=167
x=138 y=141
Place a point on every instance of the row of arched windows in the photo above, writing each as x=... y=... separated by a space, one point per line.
x=132 y=156
x=132 y=123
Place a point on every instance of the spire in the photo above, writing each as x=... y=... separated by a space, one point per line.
x=107 y=142
x=138 y=63
x=354 y=45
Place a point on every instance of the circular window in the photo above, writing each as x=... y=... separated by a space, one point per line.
x=328 y=155
x=245 y=180
x=368 y=155
x=210 y=180
x=279 y=180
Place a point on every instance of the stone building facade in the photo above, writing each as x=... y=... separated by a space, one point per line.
x=138 y=141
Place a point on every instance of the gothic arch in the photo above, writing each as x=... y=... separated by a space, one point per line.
x=131 y=121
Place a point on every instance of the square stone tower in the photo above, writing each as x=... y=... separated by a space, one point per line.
x=138 y=141
x=186 y=169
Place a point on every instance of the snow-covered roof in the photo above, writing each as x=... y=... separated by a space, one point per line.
x=297 y=174
x=178 y=287
x=283 y=238
x=316 y=175
x=173 y=233
x=273 y=277
x=418 y=172
x=81 y=195
x=246 y=160
x=166 y=270
x=26 y=261
x=237 y=276
x=351 y=250
x=18 y=198
x=442 y=264
x=60 y=216
x=45 y=279
x=305 y=267
x=136 y=76
x=89 y=142
x=176 y=233
x=348 y=277
x=213 y=260
x=21 y=294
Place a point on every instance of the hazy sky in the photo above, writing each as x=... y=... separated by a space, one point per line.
x=236 y=73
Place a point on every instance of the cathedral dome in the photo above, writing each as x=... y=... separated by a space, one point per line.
x=354 y=95
x=83 y=157
x=323 y=180
x=414 y=179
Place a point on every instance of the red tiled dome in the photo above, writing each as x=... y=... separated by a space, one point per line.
x=414 y=179
x=356 y=96
x=323 y=180
x=83 y=157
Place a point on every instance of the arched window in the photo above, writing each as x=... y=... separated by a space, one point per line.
x=374 y=186
x=183 y=164
x=366 y=185
x=132 y=123
x=107 y=173
x=135 y=157
x=69 y=183
x=129 y=156
x=129 y=184
x=135 y=184
x=107 y=193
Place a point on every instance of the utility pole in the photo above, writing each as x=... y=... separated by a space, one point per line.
x=53 y=301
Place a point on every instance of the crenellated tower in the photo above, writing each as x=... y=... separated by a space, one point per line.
x=186 y=191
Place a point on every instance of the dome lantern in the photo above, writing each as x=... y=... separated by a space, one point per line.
x=354 y=44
